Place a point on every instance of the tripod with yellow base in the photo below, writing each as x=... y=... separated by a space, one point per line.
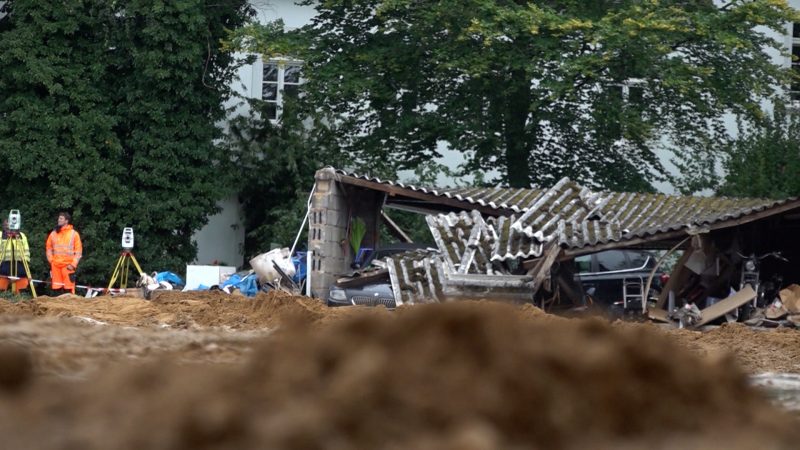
x=17 y=255
x=121 y=270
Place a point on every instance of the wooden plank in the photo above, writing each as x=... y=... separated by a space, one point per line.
x=723 y=307
x=371 y=277
x=567 y=285
x=649 y=284
x=660 y=315
x=394 y=229
x=543 y=269
x=676 y=278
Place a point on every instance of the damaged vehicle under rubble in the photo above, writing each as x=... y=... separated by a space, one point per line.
x=370 y=287
x=615 y=279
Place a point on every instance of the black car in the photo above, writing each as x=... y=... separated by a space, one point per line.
x=375 y=293
x=616 y=278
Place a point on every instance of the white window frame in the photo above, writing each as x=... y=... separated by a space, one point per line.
x=281 y=64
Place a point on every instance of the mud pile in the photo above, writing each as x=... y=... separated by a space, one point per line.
x=460 y=376
x=756 y=350
x=187 y=310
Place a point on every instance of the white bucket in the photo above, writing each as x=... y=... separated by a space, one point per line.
x=262 y=264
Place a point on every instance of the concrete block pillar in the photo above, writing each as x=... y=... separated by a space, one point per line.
x=327 y=233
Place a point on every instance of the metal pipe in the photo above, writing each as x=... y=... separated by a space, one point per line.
x=303 y=225
x=653 y=272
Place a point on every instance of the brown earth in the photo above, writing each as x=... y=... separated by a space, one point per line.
x=208 y=370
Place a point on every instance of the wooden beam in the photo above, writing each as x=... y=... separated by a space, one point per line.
x=394 y=229
x=366 y=278
x=649 y=283
x=727 y=305
x=566 y=283
x=543 y=268
x=676 y=278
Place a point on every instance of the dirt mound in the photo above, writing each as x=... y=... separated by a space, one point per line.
x=441 y=376
x=187 y=309
x=756 y=350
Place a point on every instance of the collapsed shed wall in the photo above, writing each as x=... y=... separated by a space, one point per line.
x=333 y=206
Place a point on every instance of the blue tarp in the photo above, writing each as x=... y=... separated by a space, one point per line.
x=170 y=278
x=247 y=285
x=299 y=262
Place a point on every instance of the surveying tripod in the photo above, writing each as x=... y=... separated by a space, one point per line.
x=121 y=269
x=17 y=256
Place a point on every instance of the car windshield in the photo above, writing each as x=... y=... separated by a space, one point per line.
x=614 y=260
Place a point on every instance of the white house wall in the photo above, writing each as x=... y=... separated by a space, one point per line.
x=221 y=241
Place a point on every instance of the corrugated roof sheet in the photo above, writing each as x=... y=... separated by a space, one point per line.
x=465 y=241
x=645 y=214
x=577 y=217
x=474 y=248
x=424 y=277
x=496 y=197
x=416 y=277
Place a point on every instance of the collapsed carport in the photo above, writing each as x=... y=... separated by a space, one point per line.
x=505 y=243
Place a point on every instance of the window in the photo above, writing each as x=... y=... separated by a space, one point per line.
x=583 y=263
x=281 y=80
x=639 y=259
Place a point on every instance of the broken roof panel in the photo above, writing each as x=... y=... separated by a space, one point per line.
x=464 y=240
x=564 y=201
x=423 y=277
x=416 y=277
x=512 y=244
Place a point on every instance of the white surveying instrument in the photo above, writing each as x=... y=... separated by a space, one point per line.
x=127 y=238
x=123 y=263
x=14 y=220
x=14 y=250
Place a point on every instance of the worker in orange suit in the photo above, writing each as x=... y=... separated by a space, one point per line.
x=64 y=251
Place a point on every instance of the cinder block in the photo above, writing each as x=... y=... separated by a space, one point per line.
x=336 y=218
x=328 y=249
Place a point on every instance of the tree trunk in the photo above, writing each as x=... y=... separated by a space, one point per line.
x=517 y=109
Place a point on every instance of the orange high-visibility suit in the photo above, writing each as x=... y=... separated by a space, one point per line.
x=64 y=250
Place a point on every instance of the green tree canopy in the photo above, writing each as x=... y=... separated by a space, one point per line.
x=109 y=110
x=535 y=89
x=275 y=163
x=765 y=161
